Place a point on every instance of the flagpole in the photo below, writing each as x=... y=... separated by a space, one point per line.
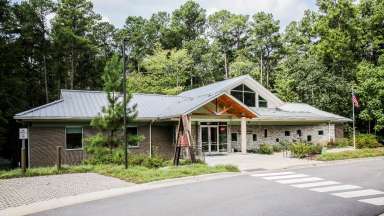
x=353 y=117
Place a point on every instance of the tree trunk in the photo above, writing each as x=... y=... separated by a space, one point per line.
x=45 y=79
x=225 y=66
x=72 y=72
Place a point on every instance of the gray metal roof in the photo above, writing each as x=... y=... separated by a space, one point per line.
x=85 y=105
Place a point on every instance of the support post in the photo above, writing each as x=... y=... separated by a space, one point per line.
x=150 y=139
x=58 y=157
x=243 y=135
x=23 y=157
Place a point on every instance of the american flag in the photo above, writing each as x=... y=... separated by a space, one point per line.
x=355 y=100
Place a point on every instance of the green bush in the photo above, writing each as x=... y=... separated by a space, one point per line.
x=366 y=141
x=144 y=160
x=300 y=150
x=358 y=153
x=339 y=143
x=315 y=149
x=265 y=149
x=277 y=148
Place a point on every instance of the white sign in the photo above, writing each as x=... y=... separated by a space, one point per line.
x=23 y=133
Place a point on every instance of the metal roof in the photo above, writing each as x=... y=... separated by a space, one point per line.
x=85 y=105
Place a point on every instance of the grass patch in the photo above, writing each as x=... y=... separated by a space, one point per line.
x=135 y=174
x=358 y=153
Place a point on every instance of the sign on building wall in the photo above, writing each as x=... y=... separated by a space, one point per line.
x=23 y=133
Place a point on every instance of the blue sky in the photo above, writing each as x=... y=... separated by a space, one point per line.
x=116 y=11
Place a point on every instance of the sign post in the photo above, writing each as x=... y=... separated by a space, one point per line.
x=23 y=135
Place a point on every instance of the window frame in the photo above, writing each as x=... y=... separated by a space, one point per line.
x=235 y=136
x=137 y=134
x=254 y=137
x=243 y=91
x=263 y=100
x=309 y=138
x=65 y=139
x=299 y=133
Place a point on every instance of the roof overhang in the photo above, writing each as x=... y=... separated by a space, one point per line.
x=237 y=108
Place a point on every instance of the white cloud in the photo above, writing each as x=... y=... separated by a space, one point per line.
x=285 y=10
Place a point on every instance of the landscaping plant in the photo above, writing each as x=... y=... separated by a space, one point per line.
x=366 y=141
x=265 y=149
x=300 y=150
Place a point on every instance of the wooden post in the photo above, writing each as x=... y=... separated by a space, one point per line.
x=58 y=157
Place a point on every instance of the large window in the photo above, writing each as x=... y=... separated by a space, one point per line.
x=132 y=142
x=244 y=94
x=73 y=138
x=262 y=102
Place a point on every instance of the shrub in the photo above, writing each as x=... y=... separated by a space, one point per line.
x=277 y=148
x=366 y=141
x=339 y=142
x=299 y=150
x=315 y=149
x=144 y=160
x=265 y=149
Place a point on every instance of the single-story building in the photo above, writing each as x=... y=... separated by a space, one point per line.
x=234 y=115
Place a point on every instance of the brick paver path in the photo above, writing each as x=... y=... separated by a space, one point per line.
x=21 y=191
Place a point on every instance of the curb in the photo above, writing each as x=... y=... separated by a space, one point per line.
x=87 y=197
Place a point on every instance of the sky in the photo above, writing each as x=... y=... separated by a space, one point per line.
x=116 y=11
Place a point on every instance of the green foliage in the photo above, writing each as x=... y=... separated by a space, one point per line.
x=277 y=147
x=359 y=153
x=315 y=149
x=371 y=82
x=366 y=141
x=135 y=174
x=300 y=150
x=340 y=142
x=265 y=149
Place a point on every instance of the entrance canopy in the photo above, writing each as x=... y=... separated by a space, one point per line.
x=225 y=105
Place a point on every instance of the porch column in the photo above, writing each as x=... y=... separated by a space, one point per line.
x=243 y=136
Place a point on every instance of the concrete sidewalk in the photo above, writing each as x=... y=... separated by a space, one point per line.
x=249 y=162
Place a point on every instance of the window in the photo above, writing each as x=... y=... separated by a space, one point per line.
x=287 y=133
x=321 y=132
x=254 y=136
x=73 y=138
x=299 y=133
x=277 y=140
x=262 y=102
x=244 y=94
x=132 y=142
x=309 y=138
x=234 y=137
x=265 y=133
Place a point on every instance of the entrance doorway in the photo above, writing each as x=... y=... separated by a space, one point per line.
x=214 y=138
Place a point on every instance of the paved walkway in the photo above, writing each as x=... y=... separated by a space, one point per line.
x=258 y=161
x=22 y=191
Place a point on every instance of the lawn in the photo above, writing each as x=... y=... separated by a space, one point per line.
x=135 y=174
x=358 y=153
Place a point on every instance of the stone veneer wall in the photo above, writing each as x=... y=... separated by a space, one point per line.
x=278 y=132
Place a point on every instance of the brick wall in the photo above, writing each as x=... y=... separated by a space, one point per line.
x=44 y=139
x=43 y=143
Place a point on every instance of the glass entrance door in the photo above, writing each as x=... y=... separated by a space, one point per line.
x=213 y=138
